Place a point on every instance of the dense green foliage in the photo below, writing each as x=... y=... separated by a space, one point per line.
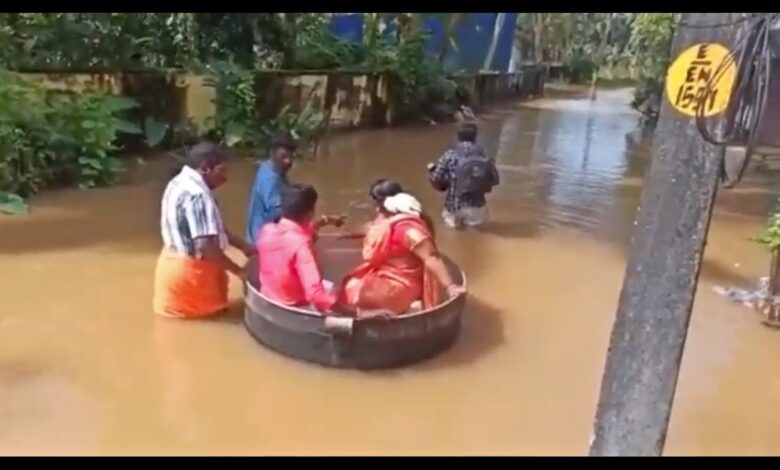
x=651 y=38
x=253 y=40
x=588 y=44
x=95 y=40
x=583 y=42
x=638 y=42
x=238 y=121
x=419 y=84
x=771 y=236
x=248 y=41
x=52 y=138
x=77 y=41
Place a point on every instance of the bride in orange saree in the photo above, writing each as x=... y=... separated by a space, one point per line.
x=401 y=264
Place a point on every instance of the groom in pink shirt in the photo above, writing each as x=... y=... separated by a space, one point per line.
x=288 y=271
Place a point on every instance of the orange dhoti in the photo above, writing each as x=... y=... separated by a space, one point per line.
x=188 y=287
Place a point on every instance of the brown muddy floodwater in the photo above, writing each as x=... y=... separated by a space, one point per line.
x=86 y=368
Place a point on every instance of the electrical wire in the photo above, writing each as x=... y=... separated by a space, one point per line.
x=749 y=93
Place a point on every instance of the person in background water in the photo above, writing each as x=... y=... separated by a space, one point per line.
x=289 y=273
x=191 y=274
x=264 y=202
x=401 y=262
x=466 y=174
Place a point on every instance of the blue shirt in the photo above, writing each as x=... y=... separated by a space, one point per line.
x=265 y=200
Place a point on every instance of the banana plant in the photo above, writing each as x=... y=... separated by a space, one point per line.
x=771 y=239
x=152 y=130
x=303 y=127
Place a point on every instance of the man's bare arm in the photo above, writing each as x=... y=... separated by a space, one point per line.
x=208 y=249
x=241 y=244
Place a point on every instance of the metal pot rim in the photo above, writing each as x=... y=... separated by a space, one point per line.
x=251 y=289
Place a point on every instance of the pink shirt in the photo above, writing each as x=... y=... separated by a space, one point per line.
x=289 y=273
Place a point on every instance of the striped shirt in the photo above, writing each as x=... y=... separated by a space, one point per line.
x=189 y=211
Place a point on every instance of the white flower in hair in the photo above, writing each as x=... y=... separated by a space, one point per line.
x=403 y=203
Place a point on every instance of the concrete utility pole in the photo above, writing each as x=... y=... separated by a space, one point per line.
x=654 y=310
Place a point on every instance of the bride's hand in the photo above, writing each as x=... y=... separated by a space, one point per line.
x=338 y=220
x=334 y=220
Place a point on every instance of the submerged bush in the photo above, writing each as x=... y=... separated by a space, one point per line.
x=60 y=138
x=238 y=121
x=579 y=68
x=419 y=84
x=771 y=235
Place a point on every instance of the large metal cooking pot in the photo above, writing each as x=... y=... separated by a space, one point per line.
x=345 y=342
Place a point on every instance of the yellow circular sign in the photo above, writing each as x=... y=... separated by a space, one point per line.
x=687 y=78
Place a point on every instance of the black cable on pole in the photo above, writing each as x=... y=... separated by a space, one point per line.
x=749 y=93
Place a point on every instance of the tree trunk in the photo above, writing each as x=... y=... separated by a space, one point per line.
x=403 y=22
x=774 y=274
x=600 y=56
x=593 y=79
x=449 y=32
x=500 y=17
x=517 y=55
x=538 y=30
x=291 y=29
x=370 y=29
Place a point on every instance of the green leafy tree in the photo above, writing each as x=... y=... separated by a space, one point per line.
x=651 y=42
x=771 y=239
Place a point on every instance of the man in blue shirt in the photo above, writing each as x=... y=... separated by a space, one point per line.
x=265 y=200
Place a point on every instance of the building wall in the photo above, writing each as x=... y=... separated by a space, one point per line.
x=347 y=99
x=472 y=38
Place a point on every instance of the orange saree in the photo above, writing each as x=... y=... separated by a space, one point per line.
x=392 y=277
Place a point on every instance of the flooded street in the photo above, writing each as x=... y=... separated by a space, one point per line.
x=86 y=368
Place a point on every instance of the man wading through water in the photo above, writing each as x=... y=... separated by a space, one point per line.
x=466 y=174
x=191 y=276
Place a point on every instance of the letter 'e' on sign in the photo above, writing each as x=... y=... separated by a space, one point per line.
x=686 y=81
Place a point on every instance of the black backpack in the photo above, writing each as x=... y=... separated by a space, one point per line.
x=474 y=173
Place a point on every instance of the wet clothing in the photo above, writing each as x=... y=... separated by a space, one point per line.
x=187 y=287
x=392 y=277
x=289 y=272
x=445 y=171
x=184 y=285
x=468 y=216
x=265 y=200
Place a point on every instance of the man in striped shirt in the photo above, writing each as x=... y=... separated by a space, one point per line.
x=191 y=274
